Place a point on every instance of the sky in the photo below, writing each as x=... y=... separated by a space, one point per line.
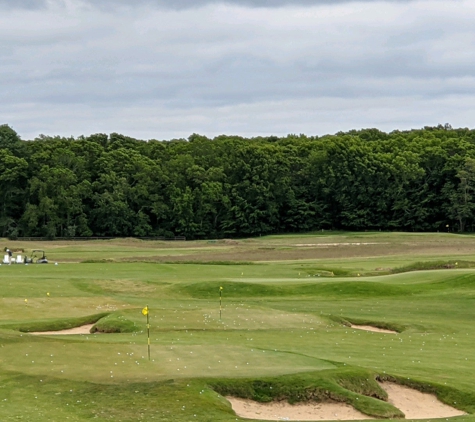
x=164 y=69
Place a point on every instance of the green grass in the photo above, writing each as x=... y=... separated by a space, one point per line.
x=284 y=324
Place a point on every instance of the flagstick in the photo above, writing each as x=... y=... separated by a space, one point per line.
x=220 y=301
x=146 y=312
x=148 y=334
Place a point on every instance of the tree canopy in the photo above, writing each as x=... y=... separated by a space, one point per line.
x=229 y=186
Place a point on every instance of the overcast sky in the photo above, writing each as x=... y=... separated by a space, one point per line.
x=162 y=69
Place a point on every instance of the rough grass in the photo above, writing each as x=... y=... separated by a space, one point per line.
x=326 y=246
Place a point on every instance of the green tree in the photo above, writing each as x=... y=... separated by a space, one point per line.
x=462 y=205
x=13 y=173
x=10 y=140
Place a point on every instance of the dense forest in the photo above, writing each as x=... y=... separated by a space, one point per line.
x=229 y=186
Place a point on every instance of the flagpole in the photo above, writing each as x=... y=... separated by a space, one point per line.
x=148 y=334
x=146 y=312
x=220 y=301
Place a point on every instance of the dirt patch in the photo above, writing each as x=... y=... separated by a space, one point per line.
x=84 y=329
x=374 y=329
x=282 y=411
x=417 y=405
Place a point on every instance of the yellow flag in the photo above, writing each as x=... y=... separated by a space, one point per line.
x=220 y=288
x=145 y=311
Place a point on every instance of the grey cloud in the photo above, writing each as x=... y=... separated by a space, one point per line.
x=166 y=73
x=193 y=4
x=23 y=4
x=178 y=4
x=247 y=3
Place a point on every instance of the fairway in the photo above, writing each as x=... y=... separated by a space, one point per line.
x=288 y=303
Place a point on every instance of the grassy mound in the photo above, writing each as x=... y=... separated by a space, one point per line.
x=351 y=385
x=54 y=324
x=433 y=265
x=311 y=271
x=104 y=323
x=354 y=386
x=207 y=290
x=115 y=323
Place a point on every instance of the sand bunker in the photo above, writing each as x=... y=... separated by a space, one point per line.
x=371 y=328
x=84 y=329
x=282 y=411
x=417 y=405
x=413 y=403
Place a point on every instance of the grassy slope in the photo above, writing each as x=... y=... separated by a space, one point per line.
x=276 y=320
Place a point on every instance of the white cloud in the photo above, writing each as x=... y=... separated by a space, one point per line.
x=145 y=70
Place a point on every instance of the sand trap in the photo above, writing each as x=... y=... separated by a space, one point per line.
x=371 y=328
x=413 y=403
x=283 y=411
x=85 y=329
x=417 y=405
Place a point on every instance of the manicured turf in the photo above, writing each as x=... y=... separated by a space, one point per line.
x=284 y=325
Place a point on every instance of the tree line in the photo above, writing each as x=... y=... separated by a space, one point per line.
x=230 y=186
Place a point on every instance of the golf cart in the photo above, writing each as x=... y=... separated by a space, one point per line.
x=36 y=258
